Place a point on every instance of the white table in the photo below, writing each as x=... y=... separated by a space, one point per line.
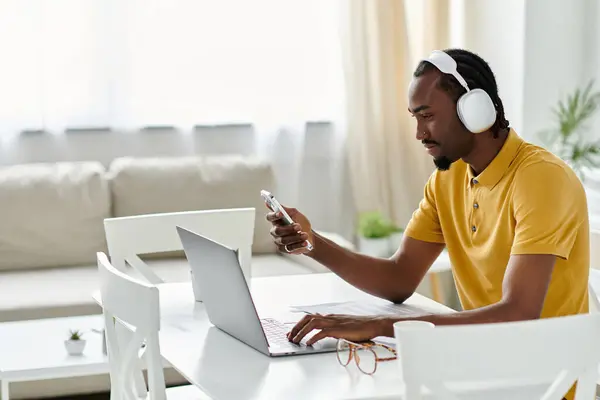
x=225 y=368
x=34 y=350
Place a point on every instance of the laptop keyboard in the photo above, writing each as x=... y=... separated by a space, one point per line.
x=276 y=332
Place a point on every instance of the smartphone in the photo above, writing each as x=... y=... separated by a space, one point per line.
x=274 y=205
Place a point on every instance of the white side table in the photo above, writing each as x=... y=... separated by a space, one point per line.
x=34 y=350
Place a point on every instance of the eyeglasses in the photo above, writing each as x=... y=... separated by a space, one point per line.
x=364 y=354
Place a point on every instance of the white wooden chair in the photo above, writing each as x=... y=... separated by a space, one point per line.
x=538 y=359
x=132 y=317
x=127 y=237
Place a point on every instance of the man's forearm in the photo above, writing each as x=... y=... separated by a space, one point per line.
x=380 y=277
x=499 y=312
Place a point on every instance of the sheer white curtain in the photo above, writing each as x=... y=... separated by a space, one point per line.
x=388 y=167
x=128 y=64
x=132 y=63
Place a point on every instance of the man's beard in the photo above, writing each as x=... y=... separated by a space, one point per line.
x=442 y=163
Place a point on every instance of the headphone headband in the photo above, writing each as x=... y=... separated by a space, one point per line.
x=446 y=64
x=475 y=108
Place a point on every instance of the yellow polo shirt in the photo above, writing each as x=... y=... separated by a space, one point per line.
x=527 y=201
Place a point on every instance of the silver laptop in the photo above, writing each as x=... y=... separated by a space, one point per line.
x=228 y=301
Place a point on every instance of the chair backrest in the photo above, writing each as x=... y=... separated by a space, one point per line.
x=131 y=311
x=549 y=353
x=127 y=237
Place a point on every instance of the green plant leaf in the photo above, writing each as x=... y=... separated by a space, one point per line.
x=591 y=159
x=75 y=334
x=374 y=225
x=571 y=114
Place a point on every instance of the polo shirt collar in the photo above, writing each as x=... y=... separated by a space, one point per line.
x=492 y=174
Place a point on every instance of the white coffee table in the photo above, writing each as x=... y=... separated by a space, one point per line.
x=34 y=350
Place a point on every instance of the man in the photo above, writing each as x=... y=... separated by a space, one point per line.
x=512 y=215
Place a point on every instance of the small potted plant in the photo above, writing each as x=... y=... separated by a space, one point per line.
x=75 y=344
x=373 y=234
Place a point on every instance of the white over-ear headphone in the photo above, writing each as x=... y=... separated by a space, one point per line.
x=475 y=108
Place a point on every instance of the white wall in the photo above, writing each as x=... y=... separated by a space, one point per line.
x=559 y=56
x=591 y=53
x=494 y=29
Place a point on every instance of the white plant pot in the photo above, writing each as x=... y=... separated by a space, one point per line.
x=395 y=240
x=379 y=247
x=75 y=347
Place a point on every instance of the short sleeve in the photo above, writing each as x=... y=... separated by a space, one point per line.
x=425 y=223
x=549 y=206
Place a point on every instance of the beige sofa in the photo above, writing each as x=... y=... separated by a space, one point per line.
x=52 y=223
x=52 y=226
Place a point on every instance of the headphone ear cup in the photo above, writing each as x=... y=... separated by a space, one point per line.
x=476 y=110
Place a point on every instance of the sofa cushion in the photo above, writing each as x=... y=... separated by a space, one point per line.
x=51 y=292
x=48 y=293
x=52 y=214
x=157 y=185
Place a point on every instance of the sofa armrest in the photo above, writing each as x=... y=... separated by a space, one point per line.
x=313 y=265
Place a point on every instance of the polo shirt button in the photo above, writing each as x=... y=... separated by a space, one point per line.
x=475 y=205
x=473 y=228
x=475 y=181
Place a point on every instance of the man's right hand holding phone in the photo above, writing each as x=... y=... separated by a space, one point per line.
x=291 y=238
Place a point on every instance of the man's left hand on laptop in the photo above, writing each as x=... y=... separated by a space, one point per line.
x=350 y=327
